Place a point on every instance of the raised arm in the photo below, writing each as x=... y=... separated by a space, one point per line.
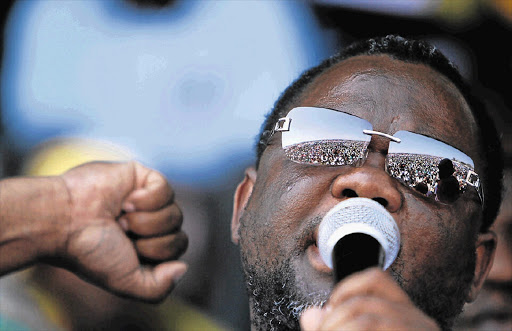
x=114 y=224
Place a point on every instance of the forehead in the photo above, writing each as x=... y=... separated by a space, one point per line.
x=394 y=95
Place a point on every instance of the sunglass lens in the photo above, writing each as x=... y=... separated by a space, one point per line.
x=322 y=136
x=327 y=152
x=430 y=167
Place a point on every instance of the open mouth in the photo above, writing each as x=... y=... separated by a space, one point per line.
x=314 y=257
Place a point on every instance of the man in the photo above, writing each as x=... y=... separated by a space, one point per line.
x=115 y=224
x=395 y=88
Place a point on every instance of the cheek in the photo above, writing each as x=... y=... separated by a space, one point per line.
x=285 y=200
x=272 y=213
x=433 y=235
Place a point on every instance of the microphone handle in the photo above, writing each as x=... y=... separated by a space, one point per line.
x=355 y=252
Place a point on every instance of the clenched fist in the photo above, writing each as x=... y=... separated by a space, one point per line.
x=114 y=224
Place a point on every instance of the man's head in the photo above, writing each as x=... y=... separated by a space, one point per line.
x=395 y=85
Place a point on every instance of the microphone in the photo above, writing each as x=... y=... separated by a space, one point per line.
x=356 y=234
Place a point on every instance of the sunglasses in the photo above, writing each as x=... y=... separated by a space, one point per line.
x=326 y=137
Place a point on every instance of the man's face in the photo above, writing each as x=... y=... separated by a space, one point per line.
x=278 y=227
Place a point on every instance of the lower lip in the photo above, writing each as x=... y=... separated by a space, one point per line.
x=316 y=260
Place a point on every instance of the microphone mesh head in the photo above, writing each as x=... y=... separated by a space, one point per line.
x=359 y=215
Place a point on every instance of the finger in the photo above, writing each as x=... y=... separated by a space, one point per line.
x=156 y=223
x=167 y=247
x=366 y=322
x=373 y=281
x=356 y=307
x=153 y=284
x=311 y=318
x=152 y=194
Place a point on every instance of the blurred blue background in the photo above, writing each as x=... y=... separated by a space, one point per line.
x=185 y=87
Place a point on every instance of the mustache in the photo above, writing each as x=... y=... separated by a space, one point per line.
x=306 y=235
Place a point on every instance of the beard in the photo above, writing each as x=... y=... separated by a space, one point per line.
x=276 y=299
x=278 y=296
x=439 y=291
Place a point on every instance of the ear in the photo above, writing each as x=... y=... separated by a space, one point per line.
x=485 y=249
x=242 y=194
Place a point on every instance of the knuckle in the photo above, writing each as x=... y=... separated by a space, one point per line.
x=134 y=220
x=179 y=244
x=375 y=278
x=163 y=248
x=149 y=250
x=359 y=303
x=176 y=215
x=368 y=322
x=141 y=224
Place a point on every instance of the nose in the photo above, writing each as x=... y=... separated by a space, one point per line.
x=369 y=181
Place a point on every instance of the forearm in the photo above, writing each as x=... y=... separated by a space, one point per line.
x=34 y=213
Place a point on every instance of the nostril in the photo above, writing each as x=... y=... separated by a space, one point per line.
x=382 y=201
x=349 y=193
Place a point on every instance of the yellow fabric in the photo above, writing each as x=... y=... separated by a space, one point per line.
x=503 y=8
x=50 y=307
x=57 y=156
x=458 y=11
x=179 y=316
x=172 y=314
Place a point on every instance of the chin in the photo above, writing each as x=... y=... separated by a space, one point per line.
x=280 y=293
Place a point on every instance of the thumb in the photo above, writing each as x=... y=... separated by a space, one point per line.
x=310 y=319
x=153 y=284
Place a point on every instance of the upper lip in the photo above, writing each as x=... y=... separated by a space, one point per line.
x=315 y=236
x=309 y=235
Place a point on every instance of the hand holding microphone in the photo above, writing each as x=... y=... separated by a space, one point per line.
x=359 y=239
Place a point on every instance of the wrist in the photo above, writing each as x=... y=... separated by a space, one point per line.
x=62 y=203
x=34 y=213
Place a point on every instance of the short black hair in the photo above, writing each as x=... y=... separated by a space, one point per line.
x=412 y=51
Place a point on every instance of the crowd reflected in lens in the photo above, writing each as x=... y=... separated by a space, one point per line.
x=327 y=152
x=434 y=176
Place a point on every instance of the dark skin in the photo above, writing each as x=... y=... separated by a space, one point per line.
x=277 y=208
x=114 y=224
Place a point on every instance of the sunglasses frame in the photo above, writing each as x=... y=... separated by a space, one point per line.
x=283 y=125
